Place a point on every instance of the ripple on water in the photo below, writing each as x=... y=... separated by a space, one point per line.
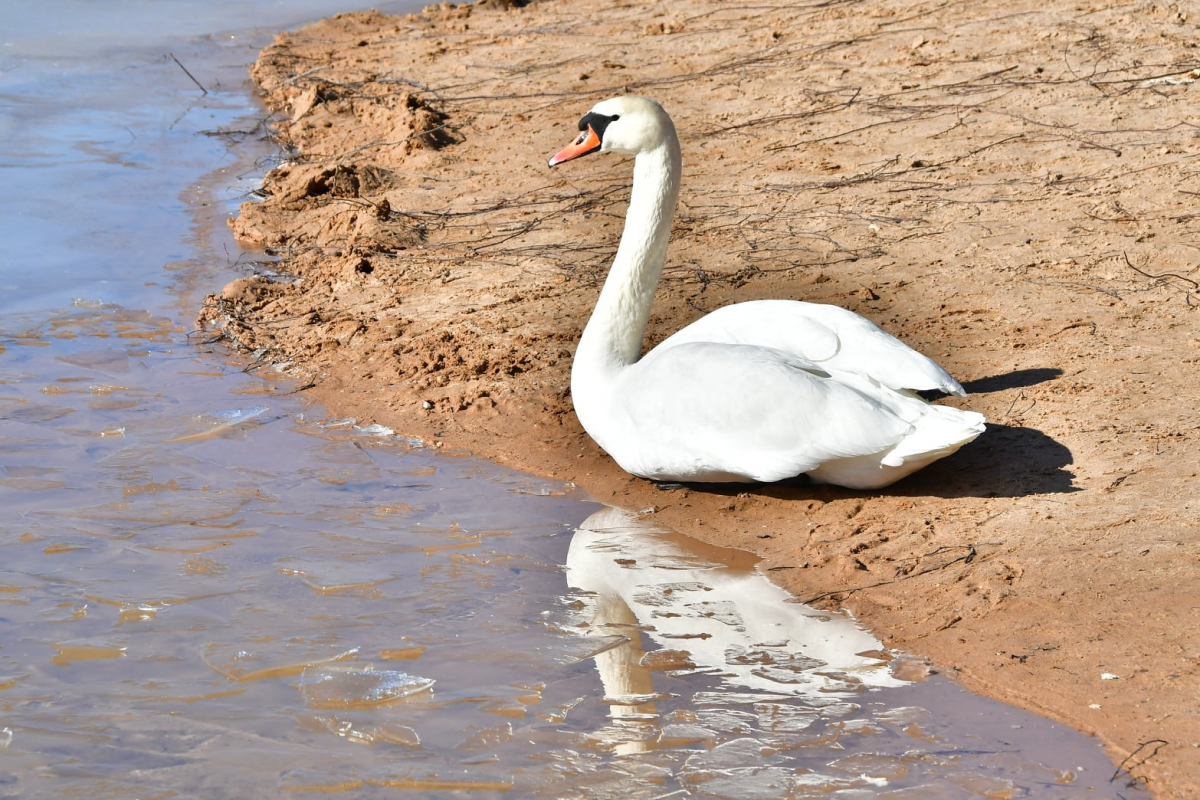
x=223 y=592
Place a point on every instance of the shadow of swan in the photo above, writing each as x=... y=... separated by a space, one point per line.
x=1006 y=461
x=1017 y=379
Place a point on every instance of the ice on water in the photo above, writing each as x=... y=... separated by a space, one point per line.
x=357 y=686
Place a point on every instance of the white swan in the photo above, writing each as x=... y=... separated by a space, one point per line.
x=753 y=392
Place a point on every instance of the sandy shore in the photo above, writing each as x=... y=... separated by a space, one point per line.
x=1014 y=195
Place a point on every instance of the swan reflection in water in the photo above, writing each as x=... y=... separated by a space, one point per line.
x=709 y=612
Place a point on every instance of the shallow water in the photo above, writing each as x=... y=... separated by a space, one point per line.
x=208 y=588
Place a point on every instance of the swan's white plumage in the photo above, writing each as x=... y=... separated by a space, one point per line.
x=757 y=391
x=834 y=338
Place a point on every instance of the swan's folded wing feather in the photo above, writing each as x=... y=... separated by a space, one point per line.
x=701 y=409
x=834 y=338
x=781 y=324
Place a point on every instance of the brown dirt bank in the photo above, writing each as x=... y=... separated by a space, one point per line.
x=1012 y=192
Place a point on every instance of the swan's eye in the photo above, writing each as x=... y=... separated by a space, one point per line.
x=614 y=118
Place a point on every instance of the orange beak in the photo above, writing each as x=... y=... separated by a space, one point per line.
x=587 y=142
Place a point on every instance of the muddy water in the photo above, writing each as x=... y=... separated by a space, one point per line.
x=210 y=589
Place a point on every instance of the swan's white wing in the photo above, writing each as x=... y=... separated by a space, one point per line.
x=709 y=411
x=834 y=338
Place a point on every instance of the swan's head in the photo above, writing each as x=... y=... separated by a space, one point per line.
x=627 y=124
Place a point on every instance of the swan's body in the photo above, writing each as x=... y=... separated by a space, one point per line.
x=757 y=391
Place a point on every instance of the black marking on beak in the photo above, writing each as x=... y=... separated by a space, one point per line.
x=598 y=122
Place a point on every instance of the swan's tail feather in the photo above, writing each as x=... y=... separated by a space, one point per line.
x=938 y=433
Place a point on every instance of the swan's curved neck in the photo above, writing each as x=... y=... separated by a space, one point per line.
x=613 y=336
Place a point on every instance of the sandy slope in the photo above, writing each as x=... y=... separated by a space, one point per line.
x=1015 y=195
